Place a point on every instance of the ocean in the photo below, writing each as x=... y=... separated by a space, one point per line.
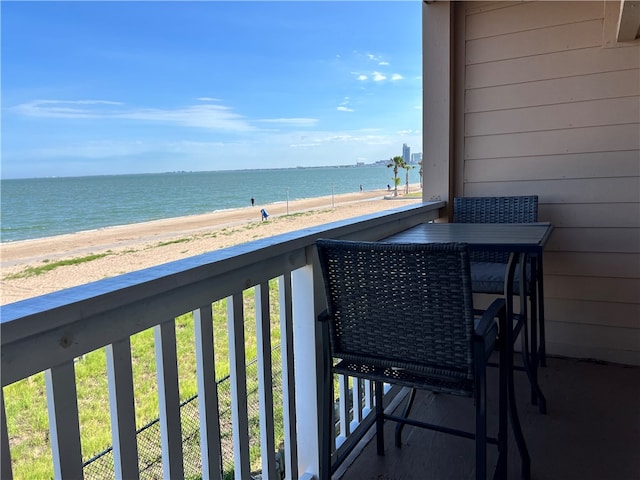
x=43 y=207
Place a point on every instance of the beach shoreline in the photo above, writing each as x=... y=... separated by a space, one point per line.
x=127 y=248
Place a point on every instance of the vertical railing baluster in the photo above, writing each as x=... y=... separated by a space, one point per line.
x=265 y=382
x=368 y=397
x=122 y=405
x=169 y=400
x=210 y=446
x=6 y=472
x=64 y=425
x=237 y=363
x=356 y=403
x=343 y=402
x=288 y=378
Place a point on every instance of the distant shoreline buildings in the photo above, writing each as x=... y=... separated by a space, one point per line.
x=407 y=156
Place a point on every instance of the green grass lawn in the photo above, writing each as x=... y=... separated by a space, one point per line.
x=25 y=401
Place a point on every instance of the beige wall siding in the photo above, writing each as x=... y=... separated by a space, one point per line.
x=552 y=107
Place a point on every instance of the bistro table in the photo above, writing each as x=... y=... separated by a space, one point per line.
x=520 y=240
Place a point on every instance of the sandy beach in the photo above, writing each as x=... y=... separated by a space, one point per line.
x=133 y=247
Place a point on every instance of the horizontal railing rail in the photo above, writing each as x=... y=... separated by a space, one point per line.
x=48 y=333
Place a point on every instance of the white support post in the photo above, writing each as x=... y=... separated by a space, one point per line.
x=210 y=447
x=6 y=472
x=64 y=426
x=237 y=363
x=437 y=141
x=308 y=371
x=123 y=416
x=288 y=378
x=169 y=400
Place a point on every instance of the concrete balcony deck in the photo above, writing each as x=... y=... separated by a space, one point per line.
x=590 y=432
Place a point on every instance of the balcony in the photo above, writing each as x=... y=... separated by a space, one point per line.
x=590 y=431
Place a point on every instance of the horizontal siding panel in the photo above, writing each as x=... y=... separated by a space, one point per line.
x=596 y=335
x=622 y=357
x=620 y=265
x=554 y=65
x=609 y=138
x=600 y=240
x=529 y=16
x=534 y=42
x=602 y=215
x=616 y=111
x=472 y=8
x=623 y=83
x=618 y=315
x=551 y=167
x=590 y=190
x=617 y=345
x=596 y=289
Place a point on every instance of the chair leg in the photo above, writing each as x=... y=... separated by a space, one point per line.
x=481 y=426
x=379 y=419
x=405 y=414
x=543 y=343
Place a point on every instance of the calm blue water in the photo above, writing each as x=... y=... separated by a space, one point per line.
x=42 y=207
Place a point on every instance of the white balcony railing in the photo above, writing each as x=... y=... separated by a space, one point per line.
x=48 y=333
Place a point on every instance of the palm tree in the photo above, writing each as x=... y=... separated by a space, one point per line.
x=407 y=167
x=420 y=172
x=396 y=163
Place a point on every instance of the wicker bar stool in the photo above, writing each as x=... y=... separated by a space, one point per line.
x=403 y=314
x=487 y=271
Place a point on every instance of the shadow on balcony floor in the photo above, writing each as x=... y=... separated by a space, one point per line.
x=591 y=430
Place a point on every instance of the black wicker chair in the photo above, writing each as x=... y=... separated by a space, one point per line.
x=403 y=314
x=487 y=268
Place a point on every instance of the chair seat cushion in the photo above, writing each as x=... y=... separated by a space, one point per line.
x=488 y=277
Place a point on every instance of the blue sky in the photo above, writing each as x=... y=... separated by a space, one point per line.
x=93 y=88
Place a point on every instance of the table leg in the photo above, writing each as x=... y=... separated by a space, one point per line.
x=536 y=312
x=533 y=289
x=508 y=366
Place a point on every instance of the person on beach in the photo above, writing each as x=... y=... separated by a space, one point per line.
x=361 y=188
x=252 y=201
x=264 y=214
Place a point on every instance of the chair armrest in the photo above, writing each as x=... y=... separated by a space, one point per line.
x=486 y=330
x=497 y=308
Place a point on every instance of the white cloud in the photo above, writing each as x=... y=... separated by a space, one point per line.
x=301 y=122
x=342 y=108
x=378 y=77
x=383 y=64
x=216 y=117
x=396 y=76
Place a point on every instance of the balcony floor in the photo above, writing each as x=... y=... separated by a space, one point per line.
x=591 y=430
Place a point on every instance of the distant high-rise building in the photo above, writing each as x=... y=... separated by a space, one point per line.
x=406 y=153
x=416 y=157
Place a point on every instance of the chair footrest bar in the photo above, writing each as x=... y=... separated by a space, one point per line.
x=437 y=428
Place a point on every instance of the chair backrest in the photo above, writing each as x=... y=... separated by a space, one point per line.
x=400 y=305
x=515 y=209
